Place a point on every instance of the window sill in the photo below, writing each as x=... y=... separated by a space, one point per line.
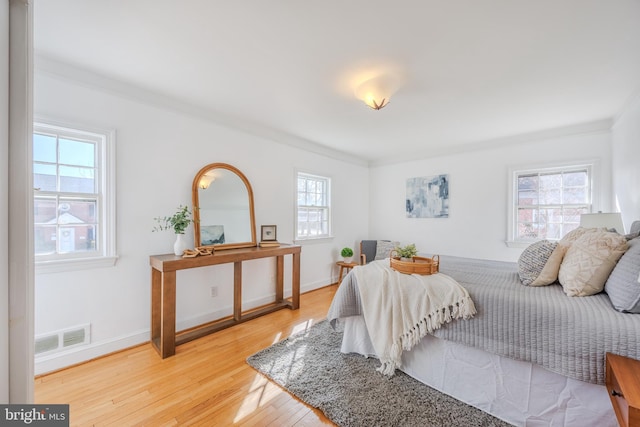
x=313 y=240
x=60 y=266
x=517 y=244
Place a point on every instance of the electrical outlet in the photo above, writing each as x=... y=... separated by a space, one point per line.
x=213 y=291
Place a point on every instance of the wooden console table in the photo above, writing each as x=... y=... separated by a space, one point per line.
x=164 y=337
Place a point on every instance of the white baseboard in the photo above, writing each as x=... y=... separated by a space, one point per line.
x=63 y=359
x=75 y=355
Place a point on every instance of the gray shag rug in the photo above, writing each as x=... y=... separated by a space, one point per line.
x=350 y=392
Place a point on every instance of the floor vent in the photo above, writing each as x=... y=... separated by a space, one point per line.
x=63 y=339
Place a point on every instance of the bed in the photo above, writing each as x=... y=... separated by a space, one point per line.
x=530 y=356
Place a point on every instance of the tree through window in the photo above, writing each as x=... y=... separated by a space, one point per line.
x=548 y=203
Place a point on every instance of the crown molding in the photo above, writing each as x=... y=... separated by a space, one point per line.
x=632 y=100
x=588 y=128
x=83 y=77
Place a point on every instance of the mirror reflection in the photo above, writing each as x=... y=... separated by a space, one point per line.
x=223 y=208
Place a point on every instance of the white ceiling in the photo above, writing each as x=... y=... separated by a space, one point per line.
x=473 y=70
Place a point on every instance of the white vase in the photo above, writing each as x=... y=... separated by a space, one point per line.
x=347 y=259
x=179 y=246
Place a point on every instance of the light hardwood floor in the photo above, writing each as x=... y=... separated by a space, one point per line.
x=206 y=383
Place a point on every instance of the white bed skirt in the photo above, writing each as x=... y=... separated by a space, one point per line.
x=521 y=393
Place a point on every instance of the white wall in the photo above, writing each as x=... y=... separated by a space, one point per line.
x=625 y=162
x=4 y=202
x=478 y=194
x=159 y=151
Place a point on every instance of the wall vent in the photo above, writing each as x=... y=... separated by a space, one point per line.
x=47 y=343
x=62 y=339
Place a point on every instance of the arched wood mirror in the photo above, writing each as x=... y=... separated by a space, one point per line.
x=223 y=208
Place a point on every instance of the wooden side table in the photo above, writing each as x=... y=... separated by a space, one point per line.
x=622 y=379
x=345 y=265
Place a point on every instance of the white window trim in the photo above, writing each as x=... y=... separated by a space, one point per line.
x=594 y=173
x=308 y=240
x=107 y=256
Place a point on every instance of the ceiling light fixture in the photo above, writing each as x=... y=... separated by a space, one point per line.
x=376 y=91
x=371 y=102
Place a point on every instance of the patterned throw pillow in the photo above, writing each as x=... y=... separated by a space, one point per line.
x=539 y=263
x=384 y=247
x=574 y=235
x=622 y=285
x=589 y=261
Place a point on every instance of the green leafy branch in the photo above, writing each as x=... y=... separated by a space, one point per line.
x=179 y=221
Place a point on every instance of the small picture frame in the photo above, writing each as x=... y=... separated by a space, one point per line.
x=268 y=233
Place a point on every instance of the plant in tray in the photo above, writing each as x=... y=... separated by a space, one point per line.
x=408 y=251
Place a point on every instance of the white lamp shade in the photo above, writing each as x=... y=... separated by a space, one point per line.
x=607 y=220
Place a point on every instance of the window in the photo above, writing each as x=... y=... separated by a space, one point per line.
x=547 y=203
x=74 y=205
x=313 y=207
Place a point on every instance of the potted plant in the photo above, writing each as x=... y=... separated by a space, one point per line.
x=347 y=254
x=406 y=252
x=179 y=222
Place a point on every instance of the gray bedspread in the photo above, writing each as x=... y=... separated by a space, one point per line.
x=567 y=335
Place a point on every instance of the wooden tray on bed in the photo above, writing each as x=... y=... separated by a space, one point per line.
x=417 y=265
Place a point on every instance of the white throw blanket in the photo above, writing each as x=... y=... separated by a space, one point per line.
x=400 y=309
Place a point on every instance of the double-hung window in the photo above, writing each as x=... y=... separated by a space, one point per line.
x=74 y=203
x=313 y=207
x=547 y=203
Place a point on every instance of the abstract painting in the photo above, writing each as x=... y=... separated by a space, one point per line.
x=428 y=197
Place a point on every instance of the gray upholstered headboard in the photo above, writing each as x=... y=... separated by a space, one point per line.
x=635 y=227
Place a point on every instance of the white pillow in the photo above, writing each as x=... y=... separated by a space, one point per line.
x=589 y=261
x=383 y=247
